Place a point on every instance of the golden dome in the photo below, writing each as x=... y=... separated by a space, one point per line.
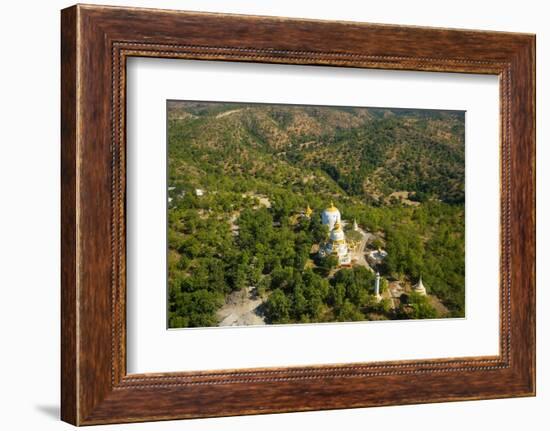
x=331 y=208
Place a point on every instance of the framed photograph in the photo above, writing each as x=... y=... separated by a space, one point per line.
x=264 y=215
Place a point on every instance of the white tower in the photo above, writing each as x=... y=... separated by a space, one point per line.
x=377 y=287
x=355 y=227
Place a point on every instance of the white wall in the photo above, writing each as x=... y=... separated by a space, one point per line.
x=29 y=217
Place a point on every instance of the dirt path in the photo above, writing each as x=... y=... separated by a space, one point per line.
x=359 y=252
x=242 y=308
x=226 y=113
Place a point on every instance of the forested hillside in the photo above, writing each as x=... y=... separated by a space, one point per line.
x=399 y=173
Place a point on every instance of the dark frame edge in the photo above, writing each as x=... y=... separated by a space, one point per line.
x=529 y=62
x=69 y=411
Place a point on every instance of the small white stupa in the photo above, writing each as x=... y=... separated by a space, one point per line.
x=419 y=287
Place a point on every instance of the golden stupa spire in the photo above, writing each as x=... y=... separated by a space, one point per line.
x=309 y=211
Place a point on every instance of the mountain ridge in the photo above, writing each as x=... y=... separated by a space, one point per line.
x=369 y=152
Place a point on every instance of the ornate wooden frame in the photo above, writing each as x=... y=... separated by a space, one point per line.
x=95 y=43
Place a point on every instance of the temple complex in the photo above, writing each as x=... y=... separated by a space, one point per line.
x=336 y=244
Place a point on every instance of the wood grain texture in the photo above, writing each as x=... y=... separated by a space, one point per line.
x=96 y=41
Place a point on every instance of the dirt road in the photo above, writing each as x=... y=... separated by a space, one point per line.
x=242 y=308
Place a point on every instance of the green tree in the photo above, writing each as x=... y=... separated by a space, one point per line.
x=299 y=303
x=338 y=295
x=329 y=262
x=278 y=307
x=422 y=309
x=349 y=312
